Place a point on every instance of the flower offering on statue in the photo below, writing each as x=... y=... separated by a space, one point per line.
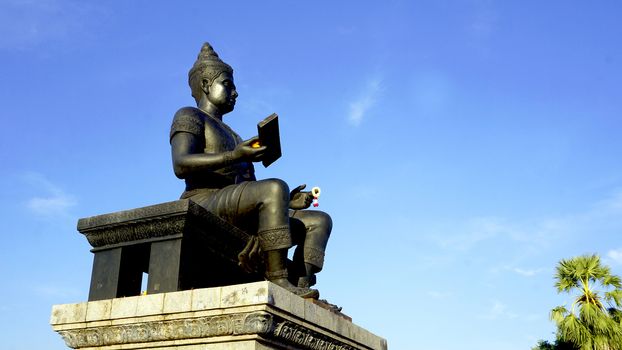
x=315 y=191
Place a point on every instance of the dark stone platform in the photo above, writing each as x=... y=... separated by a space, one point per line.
x=178 y=244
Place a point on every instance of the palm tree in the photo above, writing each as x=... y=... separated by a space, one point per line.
x=589 y=324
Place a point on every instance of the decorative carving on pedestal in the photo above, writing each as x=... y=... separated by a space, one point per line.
x=152 y=222
x=305 y=338
x=260 y=323
x=200 y=327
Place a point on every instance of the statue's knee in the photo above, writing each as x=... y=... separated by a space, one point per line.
x=326 y=222
x=322 y=222
x=275 y=189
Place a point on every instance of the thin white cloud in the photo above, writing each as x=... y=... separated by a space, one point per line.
x=360 y=107
x=476 y=231
x=53 y=202
x=615 y=255
x=498 y=310
x=537 y=235
x=49 y=206
x=527 y=272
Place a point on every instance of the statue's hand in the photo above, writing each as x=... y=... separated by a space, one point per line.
x=249 y=150
x=300 y=200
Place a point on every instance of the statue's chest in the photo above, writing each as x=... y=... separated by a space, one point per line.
x=220 y=138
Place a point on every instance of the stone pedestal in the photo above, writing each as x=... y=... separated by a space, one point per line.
x=257 y=315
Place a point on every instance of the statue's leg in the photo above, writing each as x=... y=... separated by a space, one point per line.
x=269 y=200
x=309 y=254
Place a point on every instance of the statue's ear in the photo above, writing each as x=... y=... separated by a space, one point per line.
x=205 y=86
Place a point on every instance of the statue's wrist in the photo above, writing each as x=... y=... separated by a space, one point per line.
x=229 y=158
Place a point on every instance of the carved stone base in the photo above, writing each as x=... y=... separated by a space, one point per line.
x=257 y=315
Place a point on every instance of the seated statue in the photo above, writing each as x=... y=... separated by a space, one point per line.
x=217 y=166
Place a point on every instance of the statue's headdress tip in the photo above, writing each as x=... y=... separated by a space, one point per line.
x=207 y=51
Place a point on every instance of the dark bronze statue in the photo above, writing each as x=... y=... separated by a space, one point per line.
x=217 y=166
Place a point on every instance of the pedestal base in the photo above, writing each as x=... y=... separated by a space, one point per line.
x=257 y=315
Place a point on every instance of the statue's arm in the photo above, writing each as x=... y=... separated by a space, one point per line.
x=189 y=159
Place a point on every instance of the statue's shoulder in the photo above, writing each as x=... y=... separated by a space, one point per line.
x=189 y=113
x=188 y=119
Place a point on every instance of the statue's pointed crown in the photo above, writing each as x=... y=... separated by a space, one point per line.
x=208 y=60
x=208 y=54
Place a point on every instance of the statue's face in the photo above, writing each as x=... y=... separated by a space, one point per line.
x=222 y=94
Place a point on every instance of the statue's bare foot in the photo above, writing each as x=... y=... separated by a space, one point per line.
x=306 y=282
x=306 y=293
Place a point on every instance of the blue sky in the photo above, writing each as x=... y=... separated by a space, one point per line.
x=462 y=147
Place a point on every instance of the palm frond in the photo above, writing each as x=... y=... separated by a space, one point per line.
x=592 y=316
x=565 y=277
x=612 y=281
x=614 y=296
x=572 y=330
x=558 y=314
x=616 y=315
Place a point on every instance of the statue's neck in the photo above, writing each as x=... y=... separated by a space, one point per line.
x=210 y=109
